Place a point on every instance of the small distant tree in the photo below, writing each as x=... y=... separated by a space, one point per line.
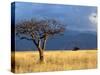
x=76 y=48
x=39 y=31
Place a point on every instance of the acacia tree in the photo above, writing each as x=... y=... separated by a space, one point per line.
x=39 y=31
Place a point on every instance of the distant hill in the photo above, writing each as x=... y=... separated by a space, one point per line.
x=70 y=39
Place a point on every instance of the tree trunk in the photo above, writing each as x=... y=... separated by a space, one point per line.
x=41 y=51
x=41 y=55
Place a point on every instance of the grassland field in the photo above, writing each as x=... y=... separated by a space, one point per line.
x=28 y=61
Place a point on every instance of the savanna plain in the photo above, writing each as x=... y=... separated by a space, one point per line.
x=62 y=60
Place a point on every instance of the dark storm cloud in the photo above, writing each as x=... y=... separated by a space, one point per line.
x=75 y=17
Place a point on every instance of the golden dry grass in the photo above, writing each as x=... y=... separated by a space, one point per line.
x=27 y=61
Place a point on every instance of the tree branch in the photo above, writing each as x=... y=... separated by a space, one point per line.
x=44 y=42
x=34 y=40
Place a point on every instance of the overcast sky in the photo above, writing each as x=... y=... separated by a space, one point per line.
x=80 y=18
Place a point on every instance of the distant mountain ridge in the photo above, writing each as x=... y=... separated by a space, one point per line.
x=70 y=39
